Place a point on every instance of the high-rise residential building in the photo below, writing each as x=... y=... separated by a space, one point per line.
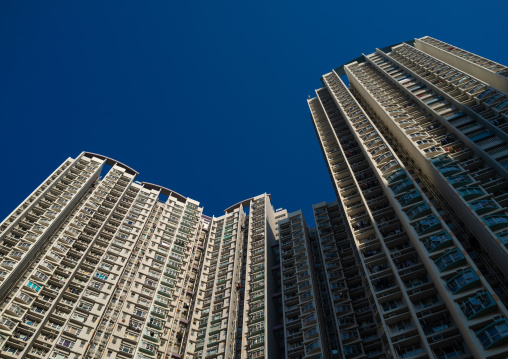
x=409 y=262
x=236 y=287
x=280 y=214
x=304 y=324
x=416 y=145
x=95 y=267
x=345 y=298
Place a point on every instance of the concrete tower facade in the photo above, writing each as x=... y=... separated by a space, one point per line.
x=416 y=149
x=95 y=267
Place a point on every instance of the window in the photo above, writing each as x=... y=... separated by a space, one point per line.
x=126 y=348
x=438 y=241
x=79 y=317
x=147 y=347
x=96 y=285
x=159 y=310
x=477 y=305
x=66 y=342
x=493 y=334
x=73 y=329
x=139 y=312
x=85 y=305
x=136 y=324
x=58 y=355
x=496 y=221
x=34 y=286
x=312 y=346
x=462 y=281
x=449 y=260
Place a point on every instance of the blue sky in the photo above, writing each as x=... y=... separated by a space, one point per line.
x=207 y=98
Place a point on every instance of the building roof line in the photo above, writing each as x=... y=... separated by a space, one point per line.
x=165 y=191
x=340 y=70
x=111 y=162
x=244 y=203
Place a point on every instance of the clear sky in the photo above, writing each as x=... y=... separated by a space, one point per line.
x=207 y=98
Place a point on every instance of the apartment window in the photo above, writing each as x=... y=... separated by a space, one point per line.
x=54 y=325
x=136 y=324
x=159 y=310
x=85 y=305
x=73 y=329
x=308 y=306
x=493 y=334
x=67 y=343
x=462 y=281
x=58 y=355
x=96 y=285
x=140 y=312
x=91 y=294
x=126 y=348
x=80 y=317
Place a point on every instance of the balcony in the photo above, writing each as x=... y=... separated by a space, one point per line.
x=372 y=252
x=463 y=281
x=460 y=180
x=477 y=305
x=147 y=348
x=256 y=342
x=353 y=350
x=416 y=282
x=384 y=283
x=437 y=326
x=256 y=307
x=438 y=241
x=418 y=211
x=402 y=186
x=494 y=334
x=410 y=351
x=429 y=224
x=346 y=321
x=155 y=323
x=496 y=222
x=256 y=329
x=392 y=305
x=151 y=335
x=447 y=352
x=20 y=336
x=449 y=260
x=503 y=237
x=410 y=198
x=469 y=193
x=15 y=310
x=6 y=324
x=258 y=317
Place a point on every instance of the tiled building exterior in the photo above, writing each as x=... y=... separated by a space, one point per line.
x=416 y=147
